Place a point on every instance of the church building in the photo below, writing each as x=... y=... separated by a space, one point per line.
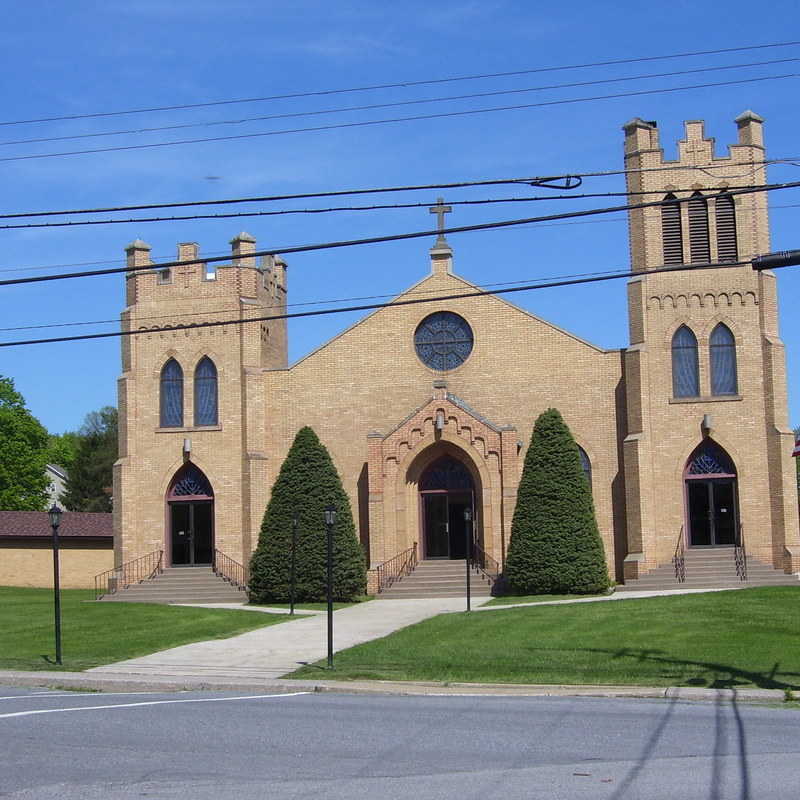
x=427 y=409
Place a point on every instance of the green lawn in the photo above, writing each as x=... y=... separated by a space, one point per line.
x=738 y=638
x=100 y=633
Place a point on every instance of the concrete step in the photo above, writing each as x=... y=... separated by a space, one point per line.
x=181 y=585
x=437 y=578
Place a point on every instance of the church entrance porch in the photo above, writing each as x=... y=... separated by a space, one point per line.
x=446 y=490
x=190 y=519
x=711 y=498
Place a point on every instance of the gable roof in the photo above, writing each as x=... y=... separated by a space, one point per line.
x=74 y=525
x=467 y=286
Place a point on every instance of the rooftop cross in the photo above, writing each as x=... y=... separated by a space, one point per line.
x=440 y=209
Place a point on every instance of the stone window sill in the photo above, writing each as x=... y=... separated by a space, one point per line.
x=190 y=430
x=716 y=398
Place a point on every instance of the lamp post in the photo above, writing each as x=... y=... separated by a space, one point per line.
x=468 y=549
x=330 y=521
x=295 y=522
x=55 y=520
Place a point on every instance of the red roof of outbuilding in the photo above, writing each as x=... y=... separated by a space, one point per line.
x=30 y=524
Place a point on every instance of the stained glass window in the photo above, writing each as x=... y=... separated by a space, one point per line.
x=685 y=371
x=443 y=340
x=710 y=459
x=191 y=482
x=446 y=473
x=171 y=395
x=723 y=361
x=586 y=465
x=205 y=393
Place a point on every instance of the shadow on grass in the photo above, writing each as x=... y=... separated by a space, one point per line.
x=722 y=676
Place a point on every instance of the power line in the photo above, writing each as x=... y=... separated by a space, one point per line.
x=335 y=209
x=400 y=85
x=374 y=306
x=206 y=312
x=393 y=104
x=380 y=239
x=414 y=118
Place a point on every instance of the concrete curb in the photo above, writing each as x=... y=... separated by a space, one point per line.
x=81 y=681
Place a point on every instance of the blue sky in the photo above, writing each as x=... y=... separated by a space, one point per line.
x=84 y=57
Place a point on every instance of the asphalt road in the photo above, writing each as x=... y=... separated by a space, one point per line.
x=222 y=745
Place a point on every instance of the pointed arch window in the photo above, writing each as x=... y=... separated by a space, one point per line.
x=672 y=230
x=725 y=214
x=699 y=247
x=205 y=393
x=171 y=395
x=685 y=370
x=723 y=361
x=586 y=466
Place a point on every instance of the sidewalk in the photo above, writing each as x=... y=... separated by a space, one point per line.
x=268 y=653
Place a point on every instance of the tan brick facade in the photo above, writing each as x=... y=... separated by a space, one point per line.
x=385 y=416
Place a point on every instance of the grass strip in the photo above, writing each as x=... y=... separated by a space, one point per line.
x=742 y=638
x=101 y=633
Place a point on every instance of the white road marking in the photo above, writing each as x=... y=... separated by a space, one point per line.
x=148 y=703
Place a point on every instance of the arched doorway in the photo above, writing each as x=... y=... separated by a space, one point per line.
x=190 y=507
x=712 y=512
x=446 y=489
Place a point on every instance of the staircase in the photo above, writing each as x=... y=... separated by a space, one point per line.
x=181 y=585
x=437 y=578
x=712 y=568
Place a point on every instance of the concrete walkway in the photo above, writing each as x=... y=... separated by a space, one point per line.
x=268 y=653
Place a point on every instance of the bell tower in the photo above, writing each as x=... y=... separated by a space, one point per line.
x=191 y=394
x=705 y=362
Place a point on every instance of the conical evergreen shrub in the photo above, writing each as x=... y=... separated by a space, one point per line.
x=307 y=483
x=555 y=546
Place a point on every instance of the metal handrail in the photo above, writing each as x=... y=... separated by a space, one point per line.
x=397 y=567
x=740 y=556
x=679 y=559
x=232 y=571
x=134 y=571
x=488 y=567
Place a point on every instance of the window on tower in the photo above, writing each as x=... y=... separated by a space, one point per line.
x=725 y=214
x=205 y=393
x=723 y=361
x=672 y=231
x=685 y=368
x=171 y=395
x=699 y=246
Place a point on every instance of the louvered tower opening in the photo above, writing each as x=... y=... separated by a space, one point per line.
x=671 y=231
x=699 y=247
x=725 y=212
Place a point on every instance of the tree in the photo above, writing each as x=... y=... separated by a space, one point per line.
x=307 y=483
x=90 y=476
x=23 y=453
x=62 y=448
x=555 y=546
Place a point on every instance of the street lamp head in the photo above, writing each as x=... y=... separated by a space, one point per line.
x=467 y=514
x=55 y=516
x=330 y=514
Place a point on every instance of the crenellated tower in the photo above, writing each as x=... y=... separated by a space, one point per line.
x=704 y=372
x=191 y=401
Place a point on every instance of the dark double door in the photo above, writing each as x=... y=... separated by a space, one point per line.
x=444 y=525
x=192 y=532
x=712 y=512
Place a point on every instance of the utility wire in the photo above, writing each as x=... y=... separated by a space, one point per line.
x=333 y=209
x=400 y=85
x=374 y=306
x=391 y=120
x=207 y=312
x=393 y=104
x=379 y=239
